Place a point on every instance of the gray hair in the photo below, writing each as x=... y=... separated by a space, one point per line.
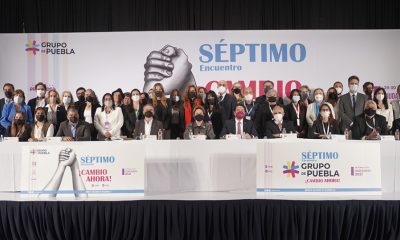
x=370 y=102
x=271 y=91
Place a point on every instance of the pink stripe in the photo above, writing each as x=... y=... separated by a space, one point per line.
x=45 y=61
x=31 y=74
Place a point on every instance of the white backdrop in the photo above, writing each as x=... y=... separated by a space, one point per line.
x=106 y=61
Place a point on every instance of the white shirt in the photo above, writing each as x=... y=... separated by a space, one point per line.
x=388 y=114
x=115 y=121
x=222 y=96
x=310 y=115
x=87 y=114
x=147 y=127
x=241 y=125
x=37 y=132
x=41 y=103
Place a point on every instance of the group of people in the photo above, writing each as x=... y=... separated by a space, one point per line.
x=235 y=111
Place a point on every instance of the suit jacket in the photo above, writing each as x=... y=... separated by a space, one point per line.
x=130 y=120
x=61 y=116
x=396 y=109
x=2 y=103
x=81 y=110
x=32 y=105
x=263 y=115
x=318 y=129
x=360 y=128
x=24 y=136
x=396 y=125
x=346 y=112
x=262 y=99
x=290 y=114
x=204 y=129
x=216 y=120
x=230 y=128
x=227 y=107
x=82 y=131
x=273 y=128
x=140 y=127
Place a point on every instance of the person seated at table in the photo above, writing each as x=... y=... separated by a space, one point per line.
x=296 y=113
x=56 y=114
x=239 y=125
x=369 y=125
x=149 y=125
x=41 y=128
x=313 y=108
x=274 y=128
x=198 y=126
x=74 y=129
x=18 y=105
x=396 y=126
x=325 y=125
x=19 y=128
x=108 y=119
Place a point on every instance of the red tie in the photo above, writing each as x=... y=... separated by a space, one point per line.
x=239 y=129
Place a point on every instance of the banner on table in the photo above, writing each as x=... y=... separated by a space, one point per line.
x=107 y=61
x=320 y=167
x=82 y=171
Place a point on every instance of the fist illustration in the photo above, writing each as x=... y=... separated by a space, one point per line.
x=170 y=67
x=67 y=157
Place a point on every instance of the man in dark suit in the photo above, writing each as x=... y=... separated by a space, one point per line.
x=148 y=125
x=264 y=112
x=274 y=128
x=74 y=129
x=80 y=94
x=396 y=126
x=226 y=102
x=239 y=125
x=268 y=85
x=40 y=99
x=369 y=125
x=8 y=89
x=351 y=104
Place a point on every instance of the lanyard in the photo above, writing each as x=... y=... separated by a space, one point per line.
x=210 y=114
x=373 y=128
x=323 y=127
x=251 y=109
x=297 y=109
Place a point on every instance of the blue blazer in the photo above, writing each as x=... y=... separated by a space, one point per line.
x=7 y=116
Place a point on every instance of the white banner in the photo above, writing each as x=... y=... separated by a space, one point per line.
x=107 y=61
x=341 y=168
x=82 y=171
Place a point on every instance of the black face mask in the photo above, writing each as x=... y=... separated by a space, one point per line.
x=271 y=99
x=81 y=98
x=192 y=95
x=199 y=117
x=20 y=121
x=159 y=94
x=237 y=90
x=370 y=112
x=8 y=94
x=333 y=96
x=368 y=92
x=148 y=114
x=266 y=89
x=211 y=101
x=40 y=118
x=89 y=99
x=73 y=119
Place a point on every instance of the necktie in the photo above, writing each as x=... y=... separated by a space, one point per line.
x=354 y=102
x=280 y=126
x=220 y=99
x=73 y=130
x=239 y=129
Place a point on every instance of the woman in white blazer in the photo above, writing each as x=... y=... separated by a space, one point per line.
x=108 y=119
x=313 y=108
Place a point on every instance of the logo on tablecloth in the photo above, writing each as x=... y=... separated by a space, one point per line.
x=291 y=169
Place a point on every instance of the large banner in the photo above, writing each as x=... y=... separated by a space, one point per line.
x=81 y=170
x=345 y=168
x=107 y=61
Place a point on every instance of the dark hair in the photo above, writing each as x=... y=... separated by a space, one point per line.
x=102 y=101
x=331 y=119
x=385 y=101
x=127 y=94
x=353 y=77
x=338 y=82
x=146 y=96
x=214 y=95
x=80 y=88
x=135 y=89
x=41 y=84
x=8 y=84
x=239 y=105
x=293 y=91
x=273 y=84
x=119 y=90
x=365 y=85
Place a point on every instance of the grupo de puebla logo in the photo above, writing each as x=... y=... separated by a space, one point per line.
x=50 y=48
x=316 y=167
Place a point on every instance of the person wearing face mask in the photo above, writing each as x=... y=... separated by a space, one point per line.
x=237 y=92
x=351 y=104
x=239 y=125
x=160 y=104
x=338 y=86
x=325 y=125
x=396 y=104
x=88 y=111
x=74 y=129
x=55 y=113
x=268 y=85
x=8 y=90
x=80 y=94
x=17 y=105
x=177 y=113
x=313 y=109
x=19 y=128
x=274 y=128
x=305 y=96
x=332 y=97
x=296 y=113
x=264 y=113
x=368 y=89
x=42 y=128
x=144 y=98
x=201 y=94
x=40 y=99
x=148 y=125
x=369 y=125
x=384 y=109
x=226 y=101
x=108 y=119
x=190 y=102
x=67 y=100
x=127 y=112
x=213 y=113
x=249 y=104
x=199 y=126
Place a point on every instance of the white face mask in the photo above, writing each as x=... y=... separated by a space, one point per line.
x=40 y=93
x=248 y=97
x=278 y=117
x=18 y=99
x=221 y=89
x=108 y=103
x=319 y=97
x=296 y=99
x=176 y=98
x=339 y=90
x=66 y=100
x=135 y=98
x=353 y=88
x=380 y=97
x=325 y=114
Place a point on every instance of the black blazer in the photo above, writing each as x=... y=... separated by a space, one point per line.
x=61 y=116
x=32 y=105
x=140 y=127
x=82 y=131
x=227 y=107
x=130 y=120
x=272 y=128
x=317 y=129
x=81 y=110
x=263 y=115
x=230 y=128
x=24 y=136
x=163 y=116
x=262 y=99
x=216 y=121
x=290 y=114
x=396 y=125
x=360 y=128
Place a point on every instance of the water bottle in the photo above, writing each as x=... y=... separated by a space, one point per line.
x=397 y=134
x=160 y=133
x=346 y=134
x=141 y=136
x=284 y=131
